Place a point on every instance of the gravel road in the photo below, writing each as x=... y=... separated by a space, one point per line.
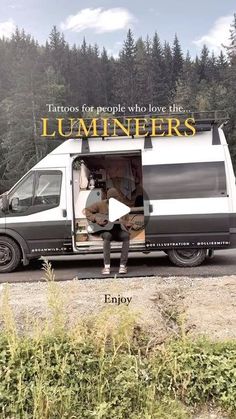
x=203 y=306
x=153 y=264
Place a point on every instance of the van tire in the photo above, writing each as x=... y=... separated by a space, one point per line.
x=187 y=257
x=10 y=255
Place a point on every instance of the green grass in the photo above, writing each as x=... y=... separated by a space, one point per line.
x=105 y=368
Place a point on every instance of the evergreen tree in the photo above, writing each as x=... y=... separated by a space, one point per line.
x=213 y=68
x=149 y=75
x=56 y=47
x=82 y=74
x=232 y=47
x=143 y=92
x=159 y=85
x=203 y=64
x=177 y=62
x=59 y=58
x=19 y=109
x=94 y=76
x=74 y=91
x=107 y=79
x=222 y=66
x=168 y=73
x=5 y=68
x=186 y=86
x=231 y=84
x=126 y=72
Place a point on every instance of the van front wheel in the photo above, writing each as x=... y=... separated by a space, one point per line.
x=10 y=255
x=187 y=257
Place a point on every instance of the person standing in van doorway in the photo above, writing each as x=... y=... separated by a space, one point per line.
x=119 y=232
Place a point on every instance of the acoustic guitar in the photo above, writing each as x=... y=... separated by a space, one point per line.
x=94 y=228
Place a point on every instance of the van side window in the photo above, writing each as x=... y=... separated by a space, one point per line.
x=185 y=180
x=47 y=189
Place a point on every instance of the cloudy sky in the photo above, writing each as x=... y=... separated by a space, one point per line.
x=106 y=22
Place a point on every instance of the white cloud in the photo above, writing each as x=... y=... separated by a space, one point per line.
x=15 y=6
x=7 y=28
x=99 y=19
x=217 y=35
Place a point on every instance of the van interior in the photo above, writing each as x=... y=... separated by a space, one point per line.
x=93 y=176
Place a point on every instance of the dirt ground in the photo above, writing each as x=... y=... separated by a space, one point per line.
x=199 y=306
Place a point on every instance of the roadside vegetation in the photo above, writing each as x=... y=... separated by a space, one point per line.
x=107 y=367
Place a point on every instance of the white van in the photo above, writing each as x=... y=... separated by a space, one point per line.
x=183 y=188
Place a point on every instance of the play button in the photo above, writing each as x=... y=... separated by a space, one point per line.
x=117 y=210
x=103 y=219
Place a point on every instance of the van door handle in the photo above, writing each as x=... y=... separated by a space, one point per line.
x=64 y=213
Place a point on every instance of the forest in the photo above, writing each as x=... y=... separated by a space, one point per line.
x=147 y=71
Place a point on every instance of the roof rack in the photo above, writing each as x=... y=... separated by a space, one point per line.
x=203 y=122
x=219 y=116
x=212 y=117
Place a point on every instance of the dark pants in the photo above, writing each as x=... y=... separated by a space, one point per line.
x=116 y=234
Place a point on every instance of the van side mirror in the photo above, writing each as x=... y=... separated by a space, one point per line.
x=5 y=202
x=14 y=204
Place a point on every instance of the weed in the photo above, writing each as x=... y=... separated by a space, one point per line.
x=106 y=367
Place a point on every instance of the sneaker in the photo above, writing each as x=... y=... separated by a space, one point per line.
x=106 y=271
x=123 y=270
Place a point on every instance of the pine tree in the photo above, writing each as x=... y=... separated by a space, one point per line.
x=232 y=47
x=74 y=91
x=126 y=72
x=231 y=85
x=107 y=79
x=149 y=75
x=5 y=69
x=168 y=73
x=203 y=64
x=213 y=69
x=143 y=93
x=19 y=109
x=59 y=55
x=186 y=87
x=56 y=47
x=177 y=63
x=222 y=66
x=159 y=86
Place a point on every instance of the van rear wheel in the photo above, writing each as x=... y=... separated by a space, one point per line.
x=187 y=257
x=10 y=255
